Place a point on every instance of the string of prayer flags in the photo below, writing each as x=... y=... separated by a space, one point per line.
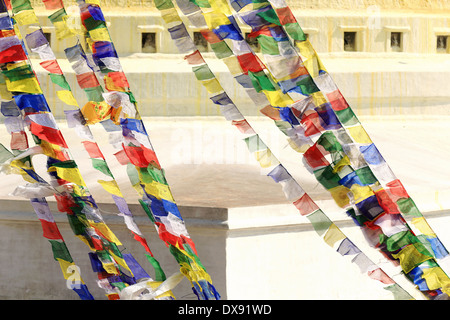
x=292 y=190
x=75 y=120
x=73 y=200
x=353 y=132
x=314 y=120
x=139 y=152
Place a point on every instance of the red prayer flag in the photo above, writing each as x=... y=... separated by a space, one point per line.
x=315 y=157
x=396 y=190
x=311 y=123
x=250 y=62
x=337 y=101
x=53 y=4
x=50 y=230
x=13 y=53
x=141 y=156
x=51 y=66
x=306 y=205
x=122 y=157
x=48 y=134
x=210 y=36
x=119 y=79
x=87 y=80
x=285 y=15
x=386 y=202
x=93 y=150
x=19 y=140
x=194 y=58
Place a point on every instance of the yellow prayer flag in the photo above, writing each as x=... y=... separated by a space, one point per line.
x=410 y=257
x=26 y=17
x=333 y=235
x=17 y=31
x=278 y=98
x=221 y=6
x=96 y=2
x=111 y=187
x=62 y=30
x=436 y=279
x=4 y=93
x=100 y=34
x=340 y=195
x=95 y=112
x=233 y=65
x=70 y=271
x=110 y=267
x=212 y=86
x=67 y=97
x=70 y=174
x=361 y=193
x=28 y=85
x=422 y=225
x=318 y=98
x=359 y=135
x=265 y=158
x=106 y=232
x=215 y=19
x=345 y=161
x=170 y=15
x=158 y=190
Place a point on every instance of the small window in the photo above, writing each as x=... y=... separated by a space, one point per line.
x=350 y=41
x=200 y=42
x=253 y=43
x=442 y=44
x=396 y=42
x=48 y=36
x=148 y=42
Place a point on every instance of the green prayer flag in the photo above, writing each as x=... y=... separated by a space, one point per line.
x=327 y=178
x=254 y=143
x=201 y=3
x=159 y=273
x=261 y=81
x=268 y=45
x=57 y=15
x=329 y=141
x=366 y=175
x=408 y=207
x=77 y=226
x=94 y=94
x=20 y=5
x=102 y=166
x=68 y=164
x=221 y=49
x=307 y=86
x=60 y=251
x=203 y=72
x=163 y=4
x=19 y=73
x=60 y=80
x=5 y=154
x=270 y=16
x=347 y=117
x=320 y=222
x=295 y=31
x=151 y=173
x=398 y=292
x=147 y=209
x=133 y=174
